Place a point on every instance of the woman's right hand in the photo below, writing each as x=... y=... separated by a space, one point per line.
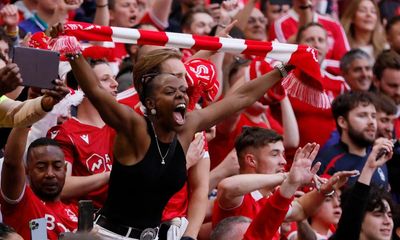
x=55 y=30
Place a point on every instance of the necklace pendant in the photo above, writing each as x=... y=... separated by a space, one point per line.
x=162 y=162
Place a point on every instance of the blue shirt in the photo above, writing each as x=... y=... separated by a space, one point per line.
x=33 y=25
x=337 y=158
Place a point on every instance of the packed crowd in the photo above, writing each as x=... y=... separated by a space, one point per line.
x=186 y=144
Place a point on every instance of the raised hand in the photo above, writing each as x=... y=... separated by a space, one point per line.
x=301 y=172
x=380 y=144
x=10 y=78
x=337 y=181
x=372 y=162
x=9 y=14
x=224 y=32
x=55 y=30
x=196 y=150
x=52 y=97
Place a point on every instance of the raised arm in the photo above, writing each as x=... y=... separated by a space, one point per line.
x=118 y=116
x=291 y=136
x=243 y=15
x=228 y=167
x=231 y=190
x=271 y=216
x=102 y=15
x=308 y=204
x=349 y=226
x=160 y=10
x=13 y=171
x=239 y=99
x=198 y=196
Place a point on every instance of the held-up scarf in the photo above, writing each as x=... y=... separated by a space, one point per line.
x=305 y=83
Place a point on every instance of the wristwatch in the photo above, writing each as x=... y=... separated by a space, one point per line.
x=281 y=68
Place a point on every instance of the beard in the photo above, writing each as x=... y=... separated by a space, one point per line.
x=46 y=195
x=358 y=138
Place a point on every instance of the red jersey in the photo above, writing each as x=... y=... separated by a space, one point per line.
x=287 y=26
x=251 y=205
x=60 y=217
x=222 y=144
x=130 y=98
x=177 y=206
x=397 y=128
x=308 y=116
x=267 y=222
x=89 y=150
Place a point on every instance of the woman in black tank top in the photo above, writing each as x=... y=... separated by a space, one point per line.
x=149 y=152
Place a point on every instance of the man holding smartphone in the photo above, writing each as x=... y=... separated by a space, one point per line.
x=46 y=170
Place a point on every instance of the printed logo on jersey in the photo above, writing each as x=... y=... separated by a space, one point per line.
x=53 y=134
x=85 y=137
x=381 y=174
x=98 y=164
x=71 y=215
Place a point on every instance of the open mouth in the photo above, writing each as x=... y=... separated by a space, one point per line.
x=337 y=213
x=132 y=19
x=179 y=113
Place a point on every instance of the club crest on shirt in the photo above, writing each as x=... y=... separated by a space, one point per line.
x=85 y=137
x=71 y=215
x=53 y=134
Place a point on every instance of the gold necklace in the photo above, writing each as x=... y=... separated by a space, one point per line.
x=158 y=146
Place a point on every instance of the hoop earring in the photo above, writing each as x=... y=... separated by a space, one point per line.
x=153 y=111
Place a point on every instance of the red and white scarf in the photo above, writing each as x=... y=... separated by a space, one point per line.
x=301 y=56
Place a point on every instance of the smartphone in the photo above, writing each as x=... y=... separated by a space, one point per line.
x=85 y=216
x=38 y=228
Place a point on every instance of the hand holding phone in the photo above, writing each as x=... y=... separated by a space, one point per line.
x=38 y=68
x=38 y=228
x=85 y=216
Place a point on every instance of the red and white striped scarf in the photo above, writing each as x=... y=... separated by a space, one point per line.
x=301 y=56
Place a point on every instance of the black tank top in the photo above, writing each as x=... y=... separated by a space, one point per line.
x=138 y=194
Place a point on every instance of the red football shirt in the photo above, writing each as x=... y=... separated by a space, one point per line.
x=89 y=149
x=287 y=26
x=60 y=217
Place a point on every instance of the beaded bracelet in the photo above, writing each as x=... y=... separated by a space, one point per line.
x=74 y=56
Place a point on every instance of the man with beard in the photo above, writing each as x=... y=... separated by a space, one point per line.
x=46 y=169
x=355 y=116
